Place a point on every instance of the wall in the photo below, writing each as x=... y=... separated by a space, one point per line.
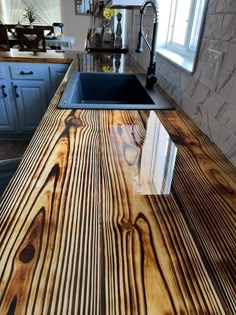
x=210 y=104
x=75 y=26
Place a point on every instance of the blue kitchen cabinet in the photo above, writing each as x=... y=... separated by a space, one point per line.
x=26 y=90
x=30 y=88
x=7 y=123
x=31 y=103
x=57 y=73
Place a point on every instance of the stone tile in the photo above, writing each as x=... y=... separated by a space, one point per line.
x=147 y=31
x=184 y=77
x=203 y=54
x=220 y=135
x=174 y=92
x=223 y=139
x=228 y=6
x=229 y=63
x=213 y=103
x=200 y=94
x=150 y=21
x=190 y=108
x=212 y=67
x=227 y=117
x=233 y=159
x=228 y=30
x=143 y=59
x=231 y=154
x=232 y=98
x=177 y=96
x=217 y=133
x=214 y=128
x=146 y=20
x=136 y=21
x=159 y=63
x=188 y=82
x=199 y=70
x=213 y=26
x=219 y=45
x=165 y=84
x=190 y=85
x=225 y=84
x=202 y=120
x=136 y=12
x=211 y=6
x=149 y=11
x=170 y=71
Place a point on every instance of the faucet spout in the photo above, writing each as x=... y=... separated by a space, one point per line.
x=151 y=78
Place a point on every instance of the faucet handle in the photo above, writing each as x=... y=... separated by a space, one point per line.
x=139 y=48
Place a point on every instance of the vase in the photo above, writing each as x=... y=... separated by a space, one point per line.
x=108 y=33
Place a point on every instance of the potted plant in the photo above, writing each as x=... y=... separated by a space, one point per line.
x=30 y=15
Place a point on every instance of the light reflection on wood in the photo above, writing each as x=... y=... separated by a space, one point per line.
x=151 y=160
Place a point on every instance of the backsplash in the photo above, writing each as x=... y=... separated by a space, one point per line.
x=208 y=96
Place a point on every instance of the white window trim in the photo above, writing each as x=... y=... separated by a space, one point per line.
x=185 y=48
x=182 y=56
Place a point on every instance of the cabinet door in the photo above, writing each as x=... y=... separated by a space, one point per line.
x=31 y=103
x=31 y=72
x=6 y=110
x=57 y=73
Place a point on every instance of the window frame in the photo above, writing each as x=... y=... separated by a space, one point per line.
x=185 y=55
x=184 y=49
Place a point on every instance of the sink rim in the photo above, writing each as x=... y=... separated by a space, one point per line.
x=65 y=100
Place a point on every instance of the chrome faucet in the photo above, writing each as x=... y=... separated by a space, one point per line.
x=151 y=78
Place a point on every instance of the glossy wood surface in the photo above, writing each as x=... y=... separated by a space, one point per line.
x=51 y=56
x=108 y=62
x=83 y=230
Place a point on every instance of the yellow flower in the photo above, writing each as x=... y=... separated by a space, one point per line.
x=108 y=13
x=106 y=69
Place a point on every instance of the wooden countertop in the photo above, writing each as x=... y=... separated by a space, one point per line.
x=105 y=47
x=85 y=62
x=25 y=56
x=86 y=229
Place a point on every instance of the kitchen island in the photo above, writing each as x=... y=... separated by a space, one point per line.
x=85 y=227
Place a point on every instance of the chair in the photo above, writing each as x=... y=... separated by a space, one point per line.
x=12 y=36
x=4 y=42
x=31 y=40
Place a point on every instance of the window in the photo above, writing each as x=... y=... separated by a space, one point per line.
x=48 y=11
x=180 y=28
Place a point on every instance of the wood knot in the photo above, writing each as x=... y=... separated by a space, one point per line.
x=27 y=254
x=72 y=121
x=127 y=225
x=177 y=139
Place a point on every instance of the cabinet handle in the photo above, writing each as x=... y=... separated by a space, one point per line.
x=3 y=91
x=16 y=94
x=26 y=73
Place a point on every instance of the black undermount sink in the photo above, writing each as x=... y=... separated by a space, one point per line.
x=107 y=91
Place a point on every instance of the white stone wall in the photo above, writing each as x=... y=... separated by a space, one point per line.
x=211 y=104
